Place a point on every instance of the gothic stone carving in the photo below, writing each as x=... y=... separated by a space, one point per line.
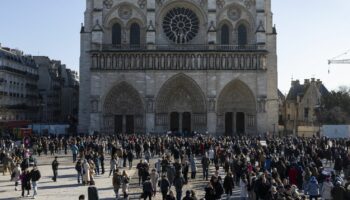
x=108 y=4
x=125 y=12
x=234 y=13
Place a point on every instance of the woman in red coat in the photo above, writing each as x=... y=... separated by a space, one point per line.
x=292 y=174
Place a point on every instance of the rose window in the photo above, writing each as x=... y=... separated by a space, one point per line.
x=180 y=25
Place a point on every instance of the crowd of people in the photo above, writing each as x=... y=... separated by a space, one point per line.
x=276 y=169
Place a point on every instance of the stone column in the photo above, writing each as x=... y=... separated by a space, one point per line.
x=212 y=22
x=151 y=32
x=180 y=121
x=124 y=123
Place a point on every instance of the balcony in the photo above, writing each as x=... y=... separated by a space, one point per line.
x=179 y=47
x=20 y=72
x=179 y=57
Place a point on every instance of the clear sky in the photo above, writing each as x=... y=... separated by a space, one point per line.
x=309 y=33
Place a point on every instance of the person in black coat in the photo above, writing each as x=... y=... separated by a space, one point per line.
x=25 y=180
x=229 y=184
x=55 y=169
x=209 y=192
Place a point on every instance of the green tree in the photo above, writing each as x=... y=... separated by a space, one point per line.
x=335 y=107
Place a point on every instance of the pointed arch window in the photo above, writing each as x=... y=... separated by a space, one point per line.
x=242 y=35
x=116 y=34
x=135 y=35
x=225 y=34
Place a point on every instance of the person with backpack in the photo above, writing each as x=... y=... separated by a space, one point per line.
x=35 y=175
x=117 y=181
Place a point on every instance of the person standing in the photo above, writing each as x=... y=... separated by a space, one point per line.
x=35 y=175
x=74 y=148
x=55 y=169
x=244 y=187
x=102 y=161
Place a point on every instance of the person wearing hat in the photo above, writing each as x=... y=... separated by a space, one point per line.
x=338 y=191
x=35 y=175
x=55 y=169
x=313 y=188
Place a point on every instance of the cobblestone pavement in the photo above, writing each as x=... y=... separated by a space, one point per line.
x=67 y=187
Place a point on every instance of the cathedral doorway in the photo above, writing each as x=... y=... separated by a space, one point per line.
x=186 y=122
x=240 y=123
x=118 y=128
x=182 y=100
x=236 y=101
x=129 y=126
x=123 y=110
x=229 y=124
x=174 y=121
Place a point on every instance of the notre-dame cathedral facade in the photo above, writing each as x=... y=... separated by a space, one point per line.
x=180 y=65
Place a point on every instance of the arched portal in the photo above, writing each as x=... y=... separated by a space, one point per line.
x=123 y=110
x=181 y=106
x=236 y=109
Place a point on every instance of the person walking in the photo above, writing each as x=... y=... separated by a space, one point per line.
x=193 y=167
x=164 y=185
x=244 y=187
x=154 y=180
x=113 y=165
x=147 y=189
x=312 y=188
x=229 y=184
x=125 y=186
x=35 y=175
x=327 y=187
x=15 y=176
x=79 y=169
x=205 y=166
x=178 y=184
x=55 y=165
x=86 y=172
x=130 y=157
x=25 y=181
x=117 y=181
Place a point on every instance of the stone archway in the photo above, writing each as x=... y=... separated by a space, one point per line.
x=181 y=106
x=236 y=112
x=123 y=110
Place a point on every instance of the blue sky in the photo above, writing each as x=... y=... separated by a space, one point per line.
x=309 y=33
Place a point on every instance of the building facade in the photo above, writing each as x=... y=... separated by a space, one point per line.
x=19 y=98
x=179 y=65
x=301 y=104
